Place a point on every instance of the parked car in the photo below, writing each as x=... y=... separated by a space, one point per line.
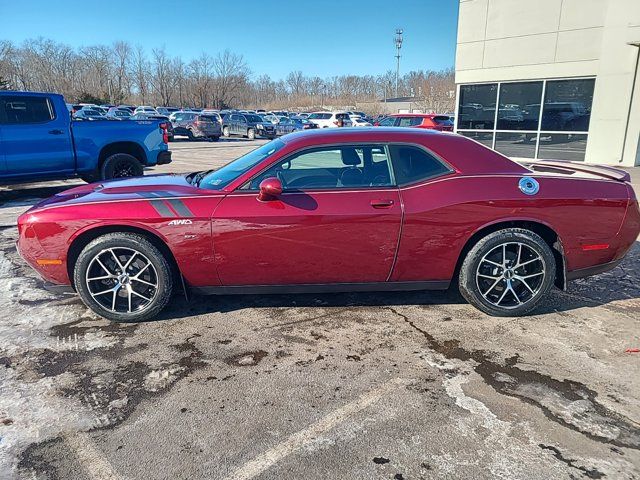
x=246 y=125
x=196 y=125
x=418 y=120
x=162 y=118
x=331 y=216
x=166 y=110
x=330 y=119
x=359 y=122
x=145 y=109
x=41 y=142
x=89 y=114
x=119 y=113
x=291 y=125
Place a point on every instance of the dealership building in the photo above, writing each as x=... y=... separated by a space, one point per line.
x=551 y=79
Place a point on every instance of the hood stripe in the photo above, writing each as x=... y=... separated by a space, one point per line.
x=180 y=208
x=162 y=209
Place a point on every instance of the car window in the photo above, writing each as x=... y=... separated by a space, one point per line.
x=343 y=167
x=21 y=110
x=407 y=122
x=411 y=164
x=222 y=177
x=387 y=122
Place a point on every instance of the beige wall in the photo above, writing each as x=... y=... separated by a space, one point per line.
x=505 y=40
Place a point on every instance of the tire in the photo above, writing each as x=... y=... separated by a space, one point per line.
x=121 y=165
x=190 y=135
x=251 y=134
x=122 y=244
x=504 y=289
x=214 y=138
x=225 y=132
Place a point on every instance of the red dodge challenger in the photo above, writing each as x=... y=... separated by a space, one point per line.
x=337 y=210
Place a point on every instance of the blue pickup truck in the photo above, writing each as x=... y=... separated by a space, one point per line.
x=40 y=141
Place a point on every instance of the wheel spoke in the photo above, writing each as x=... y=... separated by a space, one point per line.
x=532 y=275
x=103 y=266
x=129 y=289
x=527 y=262
x=104 y=277
x=143 y=281
x=513 y=292
x=129 y=262
x=487 y=276
x=504 y=254
x=492 y=262
x=116 y=258
x=115 y=297
x=139 y=295
x=521 y=280
x=105 y=291
x=137 y=275
x=492 y=287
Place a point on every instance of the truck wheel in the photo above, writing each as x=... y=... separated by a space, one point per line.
x=123 y=277
x=251 y=134
x=508 y=272
x=121 y=165
x=225 y=132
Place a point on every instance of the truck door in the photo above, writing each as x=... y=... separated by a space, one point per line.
x=36 y=138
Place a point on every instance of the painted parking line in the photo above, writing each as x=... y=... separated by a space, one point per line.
x=300 y=439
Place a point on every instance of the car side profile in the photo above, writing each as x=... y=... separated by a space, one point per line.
x=196 y=125
x=330 y=119
x=247 y=125
x=350 y=209
x=442 y=123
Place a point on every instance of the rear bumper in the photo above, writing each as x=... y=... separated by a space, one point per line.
x=164 y=157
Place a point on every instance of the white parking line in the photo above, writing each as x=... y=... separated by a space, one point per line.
x=304 y=437
x=92 y=461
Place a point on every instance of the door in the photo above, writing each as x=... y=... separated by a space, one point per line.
x=36 y=137
x=337 y=221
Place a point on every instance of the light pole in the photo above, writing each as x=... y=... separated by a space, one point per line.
x=398 y=41
x=323 y=87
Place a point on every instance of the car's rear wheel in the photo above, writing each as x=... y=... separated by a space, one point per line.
x=225 y=132
x=508 y=272
x=121 y=165
x=123 y=277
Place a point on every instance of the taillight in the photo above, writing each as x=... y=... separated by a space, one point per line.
x=165 y=132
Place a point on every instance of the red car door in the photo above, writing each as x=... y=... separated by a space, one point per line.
x=337 y=221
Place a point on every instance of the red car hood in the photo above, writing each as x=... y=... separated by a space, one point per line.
x=151 y=186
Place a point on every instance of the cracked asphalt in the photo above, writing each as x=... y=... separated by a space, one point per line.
x=398 y=386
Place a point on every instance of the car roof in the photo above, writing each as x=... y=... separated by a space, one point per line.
x=421 y=115
x=463 y=154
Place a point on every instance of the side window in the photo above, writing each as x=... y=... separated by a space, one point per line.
x=409 y=121
x=388 y=122
x=24 y=110
x=332 y=167
x=412 y=164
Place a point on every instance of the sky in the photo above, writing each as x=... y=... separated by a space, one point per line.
x=318 y=37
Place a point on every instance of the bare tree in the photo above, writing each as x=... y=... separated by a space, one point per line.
x=140 y=70
x=231 y=72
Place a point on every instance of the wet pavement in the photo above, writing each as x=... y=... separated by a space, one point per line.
x=393 y=386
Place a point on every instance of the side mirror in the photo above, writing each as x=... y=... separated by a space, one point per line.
x=270 y=188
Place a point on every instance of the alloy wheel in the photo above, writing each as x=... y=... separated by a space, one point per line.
x=122 y=280
x=510 y=275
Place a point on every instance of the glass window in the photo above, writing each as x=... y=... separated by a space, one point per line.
x=331 y=167
x=25 y=109
x=409 y=121
x=477 y=106
x=485 y=138
x=567 y=105
x=224 y=176
x=514 y=144
x=412 y=164
x=519 y=106
x=555 y=146
x=387 y=122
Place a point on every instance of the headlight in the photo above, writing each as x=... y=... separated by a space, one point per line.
x=259 y=125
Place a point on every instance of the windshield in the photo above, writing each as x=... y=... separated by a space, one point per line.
x=222 y=177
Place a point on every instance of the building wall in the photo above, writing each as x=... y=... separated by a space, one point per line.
x=510 y=40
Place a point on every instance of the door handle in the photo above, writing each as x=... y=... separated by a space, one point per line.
x=381 y=203
x=56 y=132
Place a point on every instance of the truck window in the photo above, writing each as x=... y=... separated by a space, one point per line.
x=25 y=109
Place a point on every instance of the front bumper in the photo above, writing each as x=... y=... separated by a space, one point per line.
x=164 y=157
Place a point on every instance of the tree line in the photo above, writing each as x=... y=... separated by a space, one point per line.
x=122 y=73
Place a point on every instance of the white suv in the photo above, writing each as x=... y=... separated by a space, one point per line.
x=145 y=109
x=329 y=119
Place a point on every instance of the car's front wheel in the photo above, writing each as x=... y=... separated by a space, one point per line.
x=123 y=277
x=508 y=272
x=225 y=132
x=251 y=134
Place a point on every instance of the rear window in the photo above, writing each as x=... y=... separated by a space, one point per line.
x=442 y=120
x=319 y=116
x=21 y=110
x=206 y=118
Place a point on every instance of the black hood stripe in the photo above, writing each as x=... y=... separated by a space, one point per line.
x=157 y=194
x=162 y=208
